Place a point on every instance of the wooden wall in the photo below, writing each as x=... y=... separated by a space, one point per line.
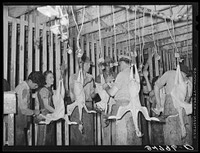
x=21 y=54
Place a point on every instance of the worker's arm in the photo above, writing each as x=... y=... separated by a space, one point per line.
x=159 y=84
x=116 y=86
x=145 y=73
x=44 y=95
x=24 y=99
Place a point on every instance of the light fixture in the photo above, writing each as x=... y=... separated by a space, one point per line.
x=48 y=11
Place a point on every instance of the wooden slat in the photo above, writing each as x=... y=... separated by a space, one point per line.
x=65 y=58
x=13 y=56
x=44 y=49
x=87 y=44
x=98 y=119
x=75 y=33
x=71 y=55
x=5 y=41
x=51 y=52
x=93 y=74
x=21 y=65
x=30 y=45
x=92 y=54
x=150 y=65
x=58 y=60
x=37 y=38
x=11 y=129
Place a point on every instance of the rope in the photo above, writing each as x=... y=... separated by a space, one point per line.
x=74 y=19
x=135 y=34
x=171 y=34
x=153 y=32
x=143 y=42
x=115 y=40
x=140 y=44
x=187 y=37
x=81 y=28
x=100 y=54
x=129 y=46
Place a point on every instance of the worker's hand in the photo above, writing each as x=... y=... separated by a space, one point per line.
x=145 y=73
x=109 y=79
x=36 y=112
x=105 y=85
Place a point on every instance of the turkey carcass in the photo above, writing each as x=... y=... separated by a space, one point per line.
x=134 y=105
x=179 y=92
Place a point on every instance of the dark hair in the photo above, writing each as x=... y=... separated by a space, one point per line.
x=36 y=77
x=45 y=75
x=127 y=61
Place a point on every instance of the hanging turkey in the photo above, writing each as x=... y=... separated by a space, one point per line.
x=182 y=89
x=79 y=98
x=134 y=105
x=59 y=106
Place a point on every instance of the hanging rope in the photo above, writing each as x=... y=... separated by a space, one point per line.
x=135 y=53
x=74 y=19
x=129 y=44
x=115 y=40
x=143 y=42
x=140 y=45
x=152 y=26
x=187 y=61
x=83 y=17
x=100 y=54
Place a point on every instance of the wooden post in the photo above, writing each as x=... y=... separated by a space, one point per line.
x=30 y=45
x=58 y=59
x=21 y=65
x=51 y=52
x=13 y=55
x=44 y=45
x=71 y=55
x=5 y=40
x=37 y=39
x=65 y=58
x=98 y=119
x=87 y=44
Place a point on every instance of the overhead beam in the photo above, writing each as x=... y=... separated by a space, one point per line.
x=18 y=10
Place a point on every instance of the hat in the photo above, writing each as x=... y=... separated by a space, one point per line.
x=124 y=58
x=86 y=59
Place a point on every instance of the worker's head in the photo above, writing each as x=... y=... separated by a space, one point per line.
x=35 y=79
x=86 y=63
x=124 y=61
x=107 y=63
x=49 y=78
x=184 y=69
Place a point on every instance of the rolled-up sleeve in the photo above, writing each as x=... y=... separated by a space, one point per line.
x=163 y=80
x=118 y=80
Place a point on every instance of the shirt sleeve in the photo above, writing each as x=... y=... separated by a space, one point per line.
x=44 y=93
x=23 y=100
x=163 y=80
x=118 y=80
